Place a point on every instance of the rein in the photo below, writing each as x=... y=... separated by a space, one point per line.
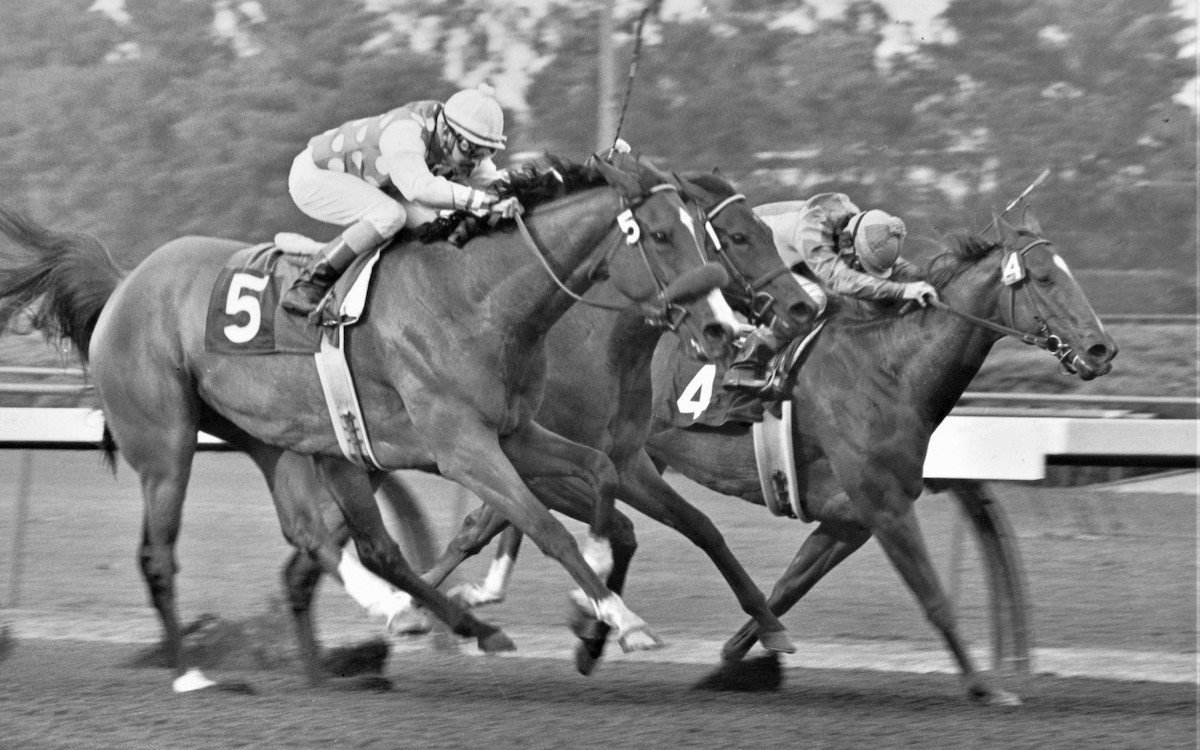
x=669 y=315
x=759 y=304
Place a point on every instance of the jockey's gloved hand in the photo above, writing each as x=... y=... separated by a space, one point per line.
x=506 y=208
x=921 y=292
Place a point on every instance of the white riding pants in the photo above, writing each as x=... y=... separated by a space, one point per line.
x=343 y=199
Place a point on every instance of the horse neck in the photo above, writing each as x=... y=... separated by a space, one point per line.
x=927 y=359
x=956 y=351
x=572 y=234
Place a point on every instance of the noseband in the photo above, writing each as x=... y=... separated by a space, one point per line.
x=757 y=304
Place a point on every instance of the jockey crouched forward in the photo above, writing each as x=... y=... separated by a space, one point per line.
x=830 y=245
x=437 y=156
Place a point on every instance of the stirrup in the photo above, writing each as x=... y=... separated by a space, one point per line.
x=744 y=378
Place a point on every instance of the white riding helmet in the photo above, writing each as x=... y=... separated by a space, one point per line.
x=476 y=115
x=878 y=237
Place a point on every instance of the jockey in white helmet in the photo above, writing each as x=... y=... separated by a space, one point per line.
x=379 y=174
x=831 y=245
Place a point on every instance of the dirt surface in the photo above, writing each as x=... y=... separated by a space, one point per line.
x=1111 y=574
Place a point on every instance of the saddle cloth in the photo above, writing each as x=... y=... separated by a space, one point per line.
x=244 y=316
x=694 y=396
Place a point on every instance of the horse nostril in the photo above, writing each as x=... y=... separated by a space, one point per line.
x=1101 y=352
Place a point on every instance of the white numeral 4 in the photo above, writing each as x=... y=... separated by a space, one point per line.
x=698 y=394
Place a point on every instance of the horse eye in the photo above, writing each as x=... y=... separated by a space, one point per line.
x=737 y=238
x=658 y=236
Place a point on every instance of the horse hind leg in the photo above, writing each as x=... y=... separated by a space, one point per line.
x=163 y=461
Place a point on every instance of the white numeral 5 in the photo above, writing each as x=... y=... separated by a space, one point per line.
x=629 y=226
x=237 y=302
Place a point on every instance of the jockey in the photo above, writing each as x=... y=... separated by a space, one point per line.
x=434 y=157
x=830 y=245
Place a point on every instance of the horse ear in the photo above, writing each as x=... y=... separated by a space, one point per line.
x=1003 y=228
x=620 y=180
x=1030 y=222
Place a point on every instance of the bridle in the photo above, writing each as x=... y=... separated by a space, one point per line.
x=665 y=313
x=758 y=305
x=1044 y=338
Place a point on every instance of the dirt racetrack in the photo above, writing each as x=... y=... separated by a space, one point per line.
x=1112 y=578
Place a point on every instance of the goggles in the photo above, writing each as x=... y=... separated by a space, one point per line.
x=469 y=148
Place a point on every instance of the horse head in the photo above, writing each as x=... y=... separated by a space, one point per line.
x=669 y=275
x=761 y=286
x=1035 y=297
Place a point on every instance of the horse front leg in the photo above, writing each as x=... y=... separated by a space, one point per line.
x=820 y=553
x=644 y=488
x=899 y=534
x=580 y=482
x=381 y=557
x=475 y=459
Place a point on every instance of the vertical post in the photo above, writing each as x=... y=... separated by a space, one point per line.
x=606 y=125
x=20 y=517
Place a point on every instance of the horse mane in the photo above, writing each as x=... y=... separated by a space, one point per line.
x=534 y=184
x=965 y=248
x=710 y=182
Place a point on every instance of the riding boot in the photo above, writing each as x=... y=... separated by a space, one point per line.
x=315 y=281
x=748 y=369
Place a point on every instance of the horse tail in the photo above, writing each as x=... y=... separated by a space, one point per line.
x=109 y=445
x=63 y=279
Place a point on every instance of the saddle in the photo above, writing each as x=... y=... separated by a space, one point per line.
x=244 y=317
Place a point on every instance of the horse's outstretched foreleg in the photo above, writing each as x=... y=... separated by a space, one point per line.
x=644 y=488
x=827 y=546
x=473 y=457
x=582 y=483
x=381 y=556
x=900 y=536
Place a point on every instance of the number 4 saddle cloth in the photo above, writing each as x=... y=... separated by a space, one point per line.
x=688 y=393
x=244 y=316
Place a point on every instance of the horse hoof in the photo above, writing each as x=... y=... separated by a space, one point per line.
x=777 y=640
x=639 y=638
x=587 y=655
x=496 y=642
x=356 y=659
x=473 y=595
x=758 y=675
x=373 y=684
x=1002 y=698
x=413 y=621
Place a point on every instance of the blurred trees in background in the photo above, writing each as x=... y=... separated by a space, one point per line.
x=160 y=126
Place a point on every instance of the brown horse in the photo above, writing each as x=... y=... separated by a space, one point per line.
x=866 y=400
x=448 y=360
x=598 y=393
x=868 y=397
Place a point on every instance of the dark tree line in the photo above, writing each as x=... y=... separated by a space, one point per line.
x=143 y=131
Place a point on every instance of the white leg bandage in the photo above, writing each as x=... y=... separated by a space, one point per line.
x=374 y=594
